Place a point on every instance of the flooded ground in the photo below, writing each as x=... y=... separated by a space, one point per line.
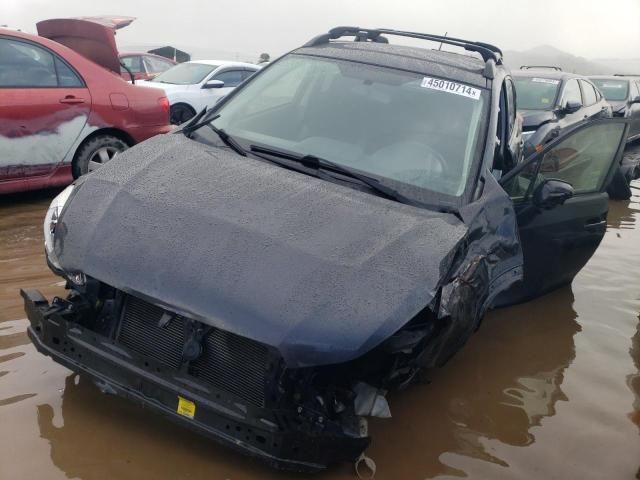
x=547 y=389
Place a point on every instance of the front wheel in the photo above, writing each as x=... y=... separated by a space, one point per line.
x=180 y=113
x=96 y=152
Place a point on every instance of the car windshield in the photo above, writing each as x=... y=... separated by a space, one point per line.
x=185 y=73
x=613 y=90
x=536 y=93
x=417 y=134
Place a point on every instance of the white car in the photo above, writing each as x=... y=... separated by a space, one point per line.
x=192 y=86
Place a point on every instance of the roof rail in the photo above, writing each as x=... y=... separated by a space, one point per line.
x=626 y=75
x=529 y=67
x=486 y=50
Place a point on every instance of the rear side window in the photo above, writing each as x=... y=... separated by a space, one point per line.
x=571 y=93
x=25 y=65
x=589 y=93
x=231 y=78
x=66 y=76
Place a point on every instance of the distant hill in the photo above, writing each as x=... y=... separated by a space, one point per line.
x=548 y=55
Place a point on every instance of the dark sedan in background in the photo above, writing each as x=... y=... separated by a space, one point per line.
x=551 y=101
x=623 y=94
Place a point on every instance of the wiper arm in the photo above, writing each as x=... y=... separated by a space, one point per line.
x=194 y=124
x=316 y=163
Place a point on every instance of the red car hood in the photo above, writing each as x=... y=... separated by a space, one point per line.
x=93 y=37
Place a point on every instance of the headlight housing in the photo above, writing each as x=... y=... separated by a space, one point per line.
x=51 y=222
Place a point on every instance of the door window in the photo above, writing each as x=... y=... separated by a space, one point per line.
x=582 y=159
x=571 y=93
x=26 y=65
x=511 y=103
x=589 y=93
x=133 y=63
x=635 y=90
x=248 y=73
x=231 y=78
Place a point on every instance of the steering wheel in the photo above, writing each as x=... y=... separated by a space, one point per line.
x=418 y=163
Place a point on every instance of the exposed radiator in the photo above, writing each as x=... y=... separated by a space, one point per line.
x=230 y=362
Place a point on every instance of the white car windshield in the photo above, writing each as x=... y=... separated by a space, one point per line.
x=185 y=74
x=417 y=133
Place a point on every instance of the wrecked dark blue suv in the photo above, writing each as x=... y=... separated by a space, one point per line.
x=334 y=227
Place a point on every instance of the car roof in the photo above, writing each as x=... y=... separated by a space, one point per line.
x=224 y=63
x=464 y=68
x=546 y=73
x=613 y=77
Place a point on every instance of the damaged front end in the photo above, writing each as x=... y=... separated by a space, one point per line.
x=232 y=389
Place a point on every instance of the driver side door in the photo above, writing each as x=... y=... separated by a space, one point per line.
x=231 y=78
x=559 y=237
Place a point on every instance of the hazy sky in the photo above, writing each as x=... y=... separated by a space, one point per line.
x=588 y=28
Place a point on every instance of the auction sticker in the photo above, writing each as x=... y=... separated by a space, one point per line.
x=550 y=81
x=186 y=408
x=451 y=87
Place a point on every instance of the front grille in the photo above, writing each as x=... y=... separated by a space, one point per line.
x=140 y=332
x=234 y=364
x=230 y=362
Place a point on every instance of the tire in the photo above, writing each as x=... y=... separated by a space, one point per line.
x=96 y=152
x=180 y=113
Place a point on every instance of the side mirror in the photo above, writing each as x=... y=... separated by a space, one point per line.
x=635 y=99
x=552 y=193
x=213 y=84
x=572 y=106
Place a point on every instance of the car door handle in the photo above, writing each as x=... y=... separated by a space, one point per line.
x=599 y=223
x=71 y=100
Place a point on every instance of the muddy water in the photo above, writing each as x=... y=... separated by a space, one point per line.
x=548 y=389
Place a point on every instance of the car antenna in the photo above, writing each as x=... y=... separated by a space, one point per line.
x=440 y=47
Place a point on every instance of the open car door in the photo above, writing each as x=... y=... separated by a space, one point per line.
x=559 y=195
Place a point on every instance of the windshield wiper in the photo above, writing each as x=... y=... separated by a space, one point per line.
x=194 y=124
x=317 y=163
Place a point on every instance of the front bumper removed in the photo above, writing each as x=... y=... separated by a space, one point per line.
x=150 y=384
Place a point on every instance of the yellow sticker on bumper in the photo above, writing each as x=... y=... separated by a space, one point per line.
x=186 y=408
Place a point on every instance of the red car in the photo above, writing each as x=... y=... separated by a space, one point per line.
x=64 y=108
x=143 y=66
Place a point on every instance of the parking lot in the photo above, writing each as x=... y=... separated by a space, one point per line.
x=546 y=389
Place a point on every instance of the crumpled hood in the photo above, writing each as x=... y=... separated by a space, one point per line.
x=532 y=119
x=319 y=271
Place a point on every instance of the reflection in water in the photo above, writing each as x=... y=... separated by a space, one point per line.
x=504 y=382
x=633 y=380
x=621 y=215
